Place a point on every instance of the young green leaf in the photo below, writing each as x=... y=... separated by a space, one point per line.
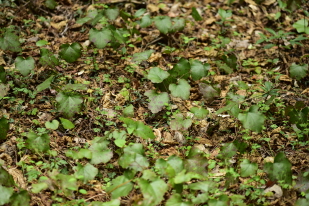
x=112 y=13
x=145 y=21
x=280 y=169
x=298 y=71
x=69 y=103
x=10 y=42
x=100 y=38
x=139 y=12
x=142 y=56
x=21 y=197
x=5 y=194
x=138 y=128
x=38 y=142
x=252 y=119
x=179 y=123
x=67 y=124
x=48 y=58
x=24 y=66
x=153 y=192
x=157 y=75
x=196 y=15
x=121 y=186
x=247 y=169
x=45 y=84
x=176 y=199
x=301 y=26
x=5 y=178
x=86 y=173
x=4 y=128
x=198 y=69
x=100 y=152
x=134 y=158
x=181 y=90
x=157 y=100
x=70 y=53
x=163 y=23
x=128 y=111
x=178 y=24
x=41 y=43
x=199 y=113
x=120 y=138
x=52 y=125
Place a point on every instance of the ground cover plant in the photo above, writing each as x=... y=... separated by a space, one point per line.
x=154 y=102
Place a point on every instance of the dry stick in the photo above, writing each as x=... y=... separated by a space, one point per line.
x=152 y=42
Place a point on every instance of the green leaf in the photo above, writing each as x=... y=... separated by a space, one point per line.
x=5 y=178
x=298 y=71
x=100 y=152
x=157 y=75
x=204 y=186
x=67 y=124
x=100 y=38
x=280 y=169
x=178 y=123
x=41 y=43
x=48 y=58
x=138 y=128
x=184 y=176
x=112 y=13
x=38 y=143
x=20 y=198
x=69 y=103
x=2 y=75
x=52 y=125
x=170 y=167
x=175 y=200
x=163 y=23
x=198 y=69
x=70 y=53
x=67 y=183
x=139 y=12
x=181 y=69
x=178 y=24
x=4 y=88
x=115 y=202
x=142 y=56
x=128 y=111
x=247 y=169
x=86 y=173
x=199 y=113
x=120 y=138
x=145 y=21
x=181 y=90
x=121 y=186
x=51 y=4
x=134 y=158
x=228 y=151
x=157 y=100
x=82 y=153
x=24 y=66
x=196 y=15
x=301 y=26
x=5 y=194
x=153 y=192
x=45 y=84
x=252 y=119
x=4 y=128
x=10 y=42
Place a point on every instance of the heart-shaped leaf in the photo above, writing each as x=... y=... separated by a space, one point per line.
x=198 y=69
x=181 y=90
x=100 y=38
x=301 y=26
x=298 y=71
x=163 y=23
x=69 y=103
x=10 y=42
x=38 y=142
x=24 y=66
x=52 y=125
x=86 y=173
x=67 y=124
x=157 y=75
x=157 y=100
x=141 y=56
x=252 y=119
x=70 y=53
x=247 y=169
